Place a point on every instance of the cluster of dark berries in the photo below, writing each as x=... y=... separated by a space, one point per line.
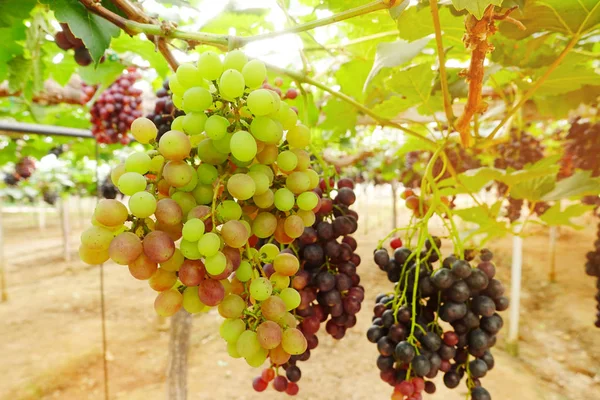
x=412 y=345
x=592 y=268
x=459 y=158
x=87 y=92
x=164 y=111
x=23 y=170
x=116 y=108
x=108 y=190
x=582 y=146
x=66 y=40
x=50 y=196
x=290 y=93
x=328 y=283
x=410 y=176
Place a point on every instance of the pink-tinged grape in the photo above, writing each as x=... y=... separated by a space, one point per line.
x=193 y=229
x=196 y=99
x=158 y=246
x=301 y=280
x=298 y=136
x=116 y=173
x=294 y=226
x=192 y=272
x=232 y=306
x=207 y=174
x=269 y=335
x=287 y=161
x=167 y=303
x=216 y=263
x=142 y=204
x=174 y=145
x=255 y=73
x=264 y=225
x=125 y=248
x=279 y=281
x=248 y=344
x=174 y=231
x=232 y=84
x=260 y=102
x=266 y=130
x=234 y=234
x=264 y=200
x=235 y=59
x=280 y=383
x=279 y=356
x=157 y=163
x=216 y=127
x=313 y=177
x=131 y=183
x=232 y=350
x=288 y=320
x=268 y=155
x=284 y=199
x=190 y=250
x=138 y=162
x=143 y=130
x=142 y=268
x=268 y=374
x=273 y=308
x=293 y=341
x=185 y=200
x=174 y=262
x=226 y=286
x=260 y=289
x=233 y=257
x=178 y=173
x=298 y=182
x=241 y=186
x=208 y=153
x=193 y=123
x=162 y=280
x=286 y=264
x=188 y=75
x=259 y=385
x=168 y=212
x=203 y=214
x=209 y=244
x=308 y=217
x=244 y=272
x=243 y=146
x=307 y=201
x=93 y=257
x=191 y=301
x=210 y=65
x=303 y=159
x=258 y=358
x=191 y=185
x=229 y=210
x=291 y=298
x=280 y=234
x=211 y=292
x=292 y=389
x=268 y=252
x=96 y=238
x=203 y=194
x=231 y=329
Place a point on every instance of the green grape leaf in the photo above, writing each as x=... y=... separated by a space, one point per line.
x=105 y=74
x=486 y=218
x=558 y=107
x=475 y=7
x=576 y=186
x=533 y=189
x=19 y=71
x=471 y=181
x=546 y=167
x=554 y=216
x=569 y=76
x=416 y=22
x=95 y=31
x=8 y=151
x=340 y=116
x=393 y=54
x=351 y=75
x=15 y=11
x=144 y=48
x=11 y=39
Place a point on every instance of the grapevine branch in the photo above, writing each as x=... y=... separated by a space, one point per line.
x=52 y=94
x=442 y=61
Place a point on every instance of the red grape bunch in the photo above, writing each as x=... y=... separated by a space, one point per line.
x=66 y=40
x=165 y=112
x=23 y=170
x=328 y=282
x=116 y=108
x=592 y=268
x=291 y=93
x=413 y=347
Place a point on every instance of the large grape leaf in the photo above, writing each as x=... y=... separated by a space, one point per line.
x=578 y=185
x=105 y=74
x=12 y=45
x=351 y=76
x=19 y=71
x=570 y=75
x=558 y=106
x=15 y=11
x=533 y=189
x=95 y=31
x=475 y=7
x=416 y=22
x=554 y=216
x=535 y=52
x=471 y=181
x=340 y=117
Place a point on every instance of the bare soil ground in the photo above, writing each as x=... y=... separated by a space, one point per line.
x=51 y=332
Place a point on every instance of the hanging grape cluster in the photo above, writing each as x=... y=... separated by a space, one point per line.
x=413 y=346
x=164 y=112
x=328 y=282
x=66 y=40
x=116 y=108
x=410 y=176
x=291 y=93
x=592 y=268
x=24 y=168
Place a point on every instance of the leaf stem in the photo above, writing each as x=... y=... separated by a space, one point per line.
x=442 y=61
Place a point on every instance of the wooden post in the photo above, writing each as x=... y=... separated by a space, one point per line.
x=515 y=296
x=41 y=216
x=394 y=204
x=552 y=245
x=64 y=218
x=179 y=343
x=4 y=293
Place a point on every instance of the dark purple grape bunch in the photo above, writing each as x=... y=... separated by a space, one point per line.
x=582 y=146
x=592 y=268
x=108 y=190
x=413 y=347
x=459 y=158
x=164 y=112
x=66 y=40
x=116 y=108
x=24 y=168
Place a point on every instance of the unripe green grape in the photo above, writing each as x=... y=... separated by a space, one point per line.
x=193 y=230
x=231 y=329
x=241 y=186
x=264 y=225
x=265 y=170
x=293 y=226
x=268 y=155
x=298 y=136
x=209 y=244
x=176 y=87
x=191 y=301
x=264 y=200
x=174 y=145
x=244 y=272
x=207 y=174
x=125 y=248
x=279 y=281
x=313 y=176
x=232 y=84
x=208 y=153
x=248 y=344
x=194 y=123
x=284 y=199
x=188 y=75
x=286 y=116
x=307 y=201
x=303 y=159
x=235 y=59
x=229 y=210
x=308 y=217
x=215 y=264
x=168 y=303
x=173 y=263
x=191 y=185
x=293 y=341
x=232 y=306
x=291 y=298
x=243 y=146
x=216 y=127
x=258 y=358
x=234 y=234
x=157 y=163
x=287 y=161
x=261 y=102
x=177 y=124
x=203 y=194
x=223 y=145
x=286 y=264
x=93 y=257
x=268 y=252
x=269 y=335
x=260 y=289
x=232 y=350
x=288 y=320
x=190 y=249
x=142 y=204
x=298 y=182
x=261 y=182
x=255 y=72
x=266 y=130
x=143 y=130
x=276 y=100
x=110 y=212
x=177 y=101
x=210 y=65
x=185 y=200
x=131 y=182
x=116 y=173
x=178 y=173
x=196 y=99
